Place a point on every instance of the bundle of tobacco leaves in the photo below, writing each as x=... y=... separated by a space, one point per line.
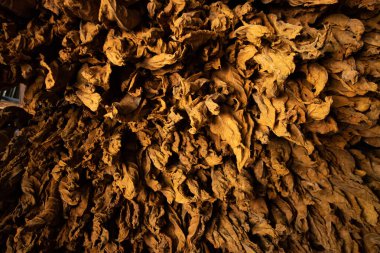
x=191 y=126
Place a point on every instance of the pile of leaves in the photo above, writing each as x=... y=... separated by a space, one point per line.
x=191 y=126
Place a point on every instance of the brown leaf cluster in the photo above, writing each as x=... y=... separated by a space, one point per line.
x=191 y=126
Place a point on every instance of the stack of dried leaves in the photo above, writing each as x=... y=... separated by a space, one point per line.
x=191 y=126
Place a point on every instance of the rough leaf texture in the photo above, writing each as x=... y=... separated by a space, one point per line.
x=191 y=126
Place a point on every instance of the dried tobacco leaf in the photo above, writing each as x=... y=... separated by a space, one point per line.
x=190 y=126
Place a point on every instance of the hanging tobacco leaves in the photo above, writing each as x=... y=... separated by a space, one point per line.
x=191 y=126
